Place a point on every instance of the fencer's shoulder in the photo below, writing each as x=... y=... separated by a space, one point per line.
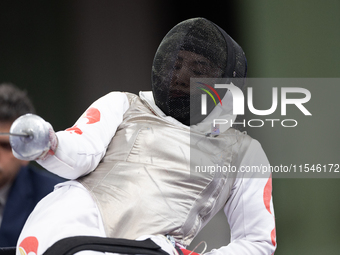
x=243 y=137
x=131 y=97
x=115 y=96
x=112 y=98
x=247 y=150
x=245 y=143
x=252 y=142
x=129 y=94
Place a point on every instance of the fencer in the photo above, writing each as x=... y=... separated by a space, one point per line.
x=130 y=158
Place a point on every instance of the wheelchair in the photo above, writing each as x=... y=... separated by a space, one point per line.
x=72 y=245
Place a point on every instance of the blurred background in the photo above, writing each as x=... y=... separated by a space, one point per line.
x=66 y=54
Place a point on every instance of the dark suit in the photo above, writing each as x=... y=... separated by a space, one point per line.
x=29 y=187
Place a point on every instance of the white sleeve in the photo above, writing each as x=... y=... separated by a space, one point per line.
x=250 y=210
x=81 y=147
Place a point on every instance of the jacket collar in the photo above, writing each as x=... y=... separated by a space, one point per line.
x=223 y=111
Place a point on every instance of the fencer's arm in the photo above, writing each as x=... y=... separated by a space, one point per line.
x=250 y=210
x=81 y=147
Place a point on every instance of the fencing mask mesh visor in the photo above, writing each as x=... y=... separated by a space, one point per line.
x=195 y=48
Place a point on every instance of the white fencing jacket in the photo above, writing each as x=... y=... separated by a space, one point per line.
x=148 y=174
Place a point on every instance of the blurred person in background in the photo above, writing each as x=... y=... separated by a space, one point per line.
x=22 y=186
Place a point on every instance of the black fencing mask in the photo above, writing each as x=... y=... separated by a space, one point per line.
x=195 y=48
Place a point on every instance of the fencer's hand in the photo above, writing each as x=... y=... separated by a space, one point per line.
x=40 y=140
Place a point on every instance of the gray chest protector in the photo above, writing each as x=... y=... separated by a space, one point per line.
x=147 y=184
